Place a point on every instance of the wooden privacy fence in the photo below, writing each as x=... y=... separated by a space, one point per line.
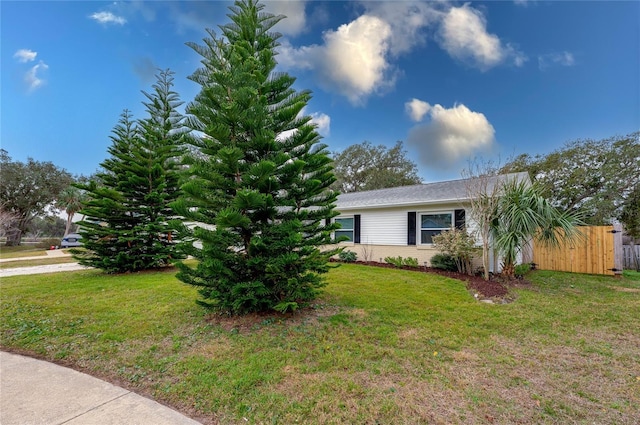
x=598 y=252
x=631 y=257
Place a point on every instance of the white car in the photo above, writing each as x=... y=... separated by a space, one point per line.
x=71 y=240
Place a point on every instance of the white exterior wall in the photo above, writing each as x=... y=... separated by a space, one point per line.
x=384 y=227
x=388 y=226
x=383 y=233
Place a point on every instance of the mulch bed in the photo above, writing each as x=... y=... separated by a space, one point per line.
x=494 y=288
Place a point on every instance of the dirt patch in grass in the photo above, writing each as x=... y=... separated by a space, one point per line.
x=623 y=289
x=251 y=322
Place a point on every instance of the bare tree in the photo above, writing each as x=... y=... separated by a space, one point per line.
x=367 y=251
x=483 y=192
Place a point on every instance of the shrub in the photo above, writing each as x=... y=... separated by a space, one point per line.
x=399 y=261
x=444 y=262
x=410 y=261
x=348 y=256
x=396 y=261
x=458 y=244
x=522 y=269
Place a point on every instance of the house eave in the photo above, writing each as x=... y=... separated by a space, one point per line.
x=403 y=204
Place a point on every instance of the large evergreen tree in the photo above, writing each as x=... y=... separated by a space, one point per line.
x=259 y=198
x=127 y=215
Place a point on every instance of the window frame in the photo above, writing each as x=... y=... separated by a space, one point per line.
x=420 y=229
x=343 y=229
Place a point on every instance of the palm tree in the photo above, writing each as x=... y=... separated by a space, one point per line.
x=522 y=214
x=70 y=200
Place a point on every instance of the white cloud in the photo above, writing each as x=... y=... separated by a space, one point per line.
x=294 y=10
x=323 y=123
x=451 y=135
x=407 y=20
x=107 y=18
x=550 y=59
x=25 y=55
x=321 y=120
x=357 y=59
x=352 y=61
x=355 y=56
x=33 y=77
x=417 y=109
x=463 y=34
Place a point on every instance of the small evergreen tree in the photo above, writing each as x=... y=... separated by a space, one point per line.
x=260 y=199
x=126 y=226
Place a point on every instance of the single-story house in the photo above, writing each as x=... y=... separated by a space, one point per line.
x=402 y=221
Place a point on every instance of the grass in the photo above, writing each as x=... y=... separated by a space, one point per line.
x=39 y=262
x=380 y=346
x=20 y=251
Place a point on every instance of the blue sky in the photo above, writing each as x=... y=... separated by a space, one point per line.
x=452 y=80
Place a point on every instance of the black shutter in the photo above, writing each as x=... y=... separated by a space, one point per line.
x=459 y=219
x=356 y=228
x=327 y=221
x=411 y=228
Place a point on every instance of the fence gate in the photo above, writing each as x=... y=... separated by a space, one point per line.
x=599 y=252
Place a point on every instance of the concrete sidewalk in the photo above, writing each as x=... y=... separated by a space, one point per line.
x=37 y=392
x=47 y=268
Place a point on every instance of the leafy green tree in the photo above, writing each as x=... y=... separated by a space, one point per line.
x=590 y=176
x=365 y=167
x=524 y=213
x=258 y=198
x=127 y=215
x=27 y=190
x=630 y=215
x=49 y=226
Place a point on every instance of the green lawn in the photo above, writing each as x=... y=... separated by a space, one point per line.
x=381 y=346
x=39 y=262
x=21 y=251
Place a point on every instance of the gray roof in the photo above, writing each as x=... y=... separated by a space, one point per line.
x=451 y=191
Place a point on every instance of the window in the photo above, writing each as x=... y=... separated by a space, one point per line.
x=433 y=224
x=347 y=228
